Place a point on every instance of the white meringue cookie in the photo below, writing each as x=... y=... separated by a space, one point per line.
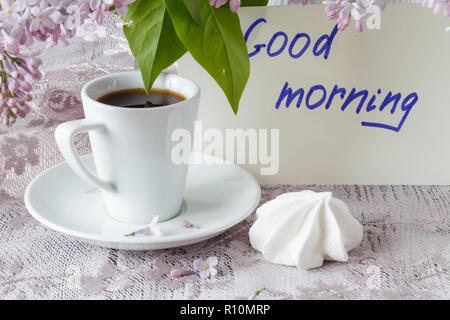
x=305 y=228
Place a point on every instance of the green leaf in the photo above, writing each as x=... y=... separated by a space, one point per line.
x=152 y=38
x=218 y=45
x=254 y=3
x=192 y=6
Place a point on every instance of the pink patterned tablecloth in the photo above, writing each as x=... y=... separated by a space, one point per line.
x=405 y=252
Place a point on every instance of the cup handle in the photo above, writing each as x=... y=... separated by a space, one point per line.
x=64 y=135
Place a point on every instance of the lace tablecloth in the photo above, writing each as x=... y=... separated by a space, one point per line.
x=405 y=252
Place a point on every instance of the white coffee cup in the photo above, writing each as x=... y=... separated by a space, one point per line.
x=132 y=147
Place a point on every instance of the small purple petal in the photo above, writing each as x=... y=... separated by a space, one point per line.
x=177 y=273
x=141 y=232
x=93 y=190
x=147 y=231
x=187 y=224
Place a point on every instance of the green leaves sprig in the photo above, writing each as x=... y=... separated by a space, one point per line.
x=162 y=31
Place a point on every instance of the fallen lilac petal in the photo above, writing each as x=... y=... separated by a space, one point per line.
x=187 y=224
x=150 y=230
x=93 y=190
x=177 y=273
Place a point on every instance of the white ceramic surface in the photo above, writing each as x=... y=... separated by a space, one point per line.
x=217 y=197
x=132 y=147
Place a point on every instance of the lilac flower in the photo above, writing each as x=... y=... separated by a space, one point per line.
x=50 y=21
x=9 y=11
x=14 y=96
x=122 y=6
x=344 y=22
x=42 y=17
x=351 y=8
x=20 y=30
x=332 y=10
x=10 y=44
x=437 y=5
x=217 y=3
x=95 y=4
x=206 y=268
x=99 y=7
x=358 y=26
x=234 y=4
x=344 y=11
x=151 y=229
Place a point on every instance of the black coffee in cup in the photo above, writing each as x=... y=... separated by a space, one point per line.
x=138 y=98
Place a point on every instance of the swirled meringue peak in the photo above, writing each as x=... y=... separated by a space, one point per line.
x=305 y=228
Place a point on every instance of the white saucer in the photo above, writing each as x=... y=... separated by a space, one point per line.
x=217 y=197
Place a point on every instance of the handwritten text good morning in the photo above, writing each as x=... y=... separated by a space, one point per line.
x=361 y=101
